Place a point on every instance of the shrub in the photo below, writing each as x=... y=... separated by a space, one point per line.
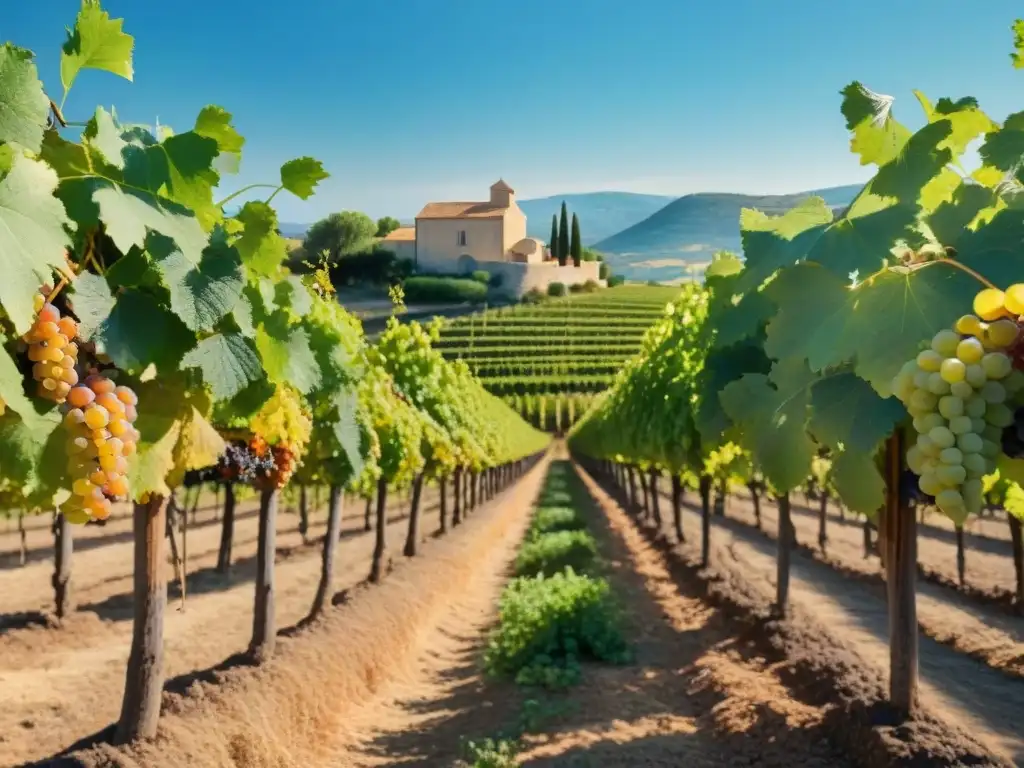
x=556 y=289
x=614 y=280
x=481 y=276
x=548 y=625
x=532 y=296
x=375 y=265
x=427 y=289
x=551 y=553
x=551 y=518
x=603 y=270
x=590 y=286
x=496 y=280
x=576 y=288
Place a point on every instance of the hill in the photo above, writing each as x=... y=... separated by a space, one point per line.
x=687 y=231
x=602 y=214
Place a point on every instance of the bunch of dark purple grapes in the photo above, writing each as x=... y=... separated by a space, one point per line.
x=240 y=464
x=1013 y=436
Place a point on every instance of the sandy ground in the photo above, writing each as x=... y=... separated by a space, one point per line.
x=984 y=701
x=59 y=685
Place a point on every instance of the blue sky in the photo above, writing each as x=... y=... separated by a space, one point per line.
x=407 y=101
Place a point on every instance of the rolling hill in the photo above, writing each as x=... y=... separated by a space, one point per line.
x=602 y=214
x=687 y=231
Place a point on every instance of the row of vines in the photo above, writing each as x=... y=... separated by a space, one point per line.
x=150 y=341
x=884 y=341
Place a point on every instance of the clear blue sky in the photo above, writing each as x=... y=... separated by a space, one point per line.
x=407 y=101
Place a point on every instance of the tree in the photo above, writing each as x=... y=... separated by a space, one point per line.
x=386 y=225
x=553 y=242
x=339 y=234
x=563 y=236
x=576 y=247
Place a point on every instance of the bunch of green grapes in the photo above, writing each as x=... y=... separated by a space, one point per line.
x=53 y=351
x=959 y=392
x=99 y=419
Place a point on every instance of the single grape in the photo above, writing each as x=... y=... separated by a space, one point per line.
x=929 y=360
x=951 y=456
x=950 y=407
x=969 y=351
x=989 y=304
x=937 y=385
x=976 y=376
x=950 y=501
x=970 y=443
x=970 y=325
x=942 y=437
x=961 y=389
x=999 y=415
x=996 y=365
x=1013 y=299
x=945 y=341
x=960 y=425
x=953 y=370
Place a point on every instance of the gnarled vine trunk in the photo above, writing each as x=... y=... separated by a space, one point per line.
x=755 y=497
x=823 y=521
x=23 y=538
x=784 y=546
x=457 y=492
x=303 y=513
x=413 y=537
x=227 y=530
x=677 y=507
x=442 y=487
x=646 y=497
x=368 y=514
x=63 y=549
x=961 y=559
x=264 y=626
x=1017 y=541
x=380 y=546
x=334 y=510
x=705 y=520
x=655 y=501
x=900 y=545
x=632 y=490
x=144 y=675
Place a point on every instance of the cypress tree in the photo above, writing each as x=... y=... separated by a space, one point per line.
x=553 y=242
x=563 y=236
x=576 y=247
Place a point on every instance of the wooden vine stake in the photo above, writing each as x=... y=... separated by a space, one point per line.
x=900 y=545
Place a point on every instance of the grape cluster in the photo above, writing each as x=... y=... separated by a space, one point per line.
x=241 y=464
x=53 y=351
x=957 y=392
x=99 y=419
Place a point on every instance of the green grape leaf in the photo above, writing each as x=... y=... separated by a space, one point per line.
x=774 y=242
x=243 y=315
x=292 y=293
x=33 y=237
x=179 y=169
x=23 y=440
x=23 y=106
x=134 y=269
x=345 y=429
x=96 y=42
x=228 y=363
x=723 y=264
x=1017 y=57
x=202 y=292
x=12 y=392
x=967 y=121
x=883 y=321
x=262 y=249
x=949 y=220
x=286 y=353
x=804 y=294
x=858 y=482
x=199 y=446
x=1004 y=149
x=214 y=123
x=130 y=215
x=1014 y=501
x=992 y=249
x=847 y=413
x=721 y=367
x=132 y=328
x=744 y=319
x=877 y=137
x=771 y=413
x=917 y=164
x=301 y=176
x=105 y=135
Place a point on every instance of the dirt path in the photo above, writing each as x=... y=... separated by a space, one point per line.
x=985 y=702
x=59 y=685
x=694 y=696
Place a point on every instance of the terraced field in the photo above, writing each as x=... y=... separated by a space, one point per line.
x=549 y=360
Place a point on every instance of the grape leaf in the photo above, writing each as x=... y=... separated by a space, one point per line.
x=803 y=294
x=949 y=221
x=345 y=429
x=771 y=413
x=199 y=446
x=292 y=293
x=12 y=392
x=744 y=319
x=992 y=249
x=858 y=482
x=105 y=135
x=228 y=363
x=847 y=413
x=721 y=367
x=214 y=123
x=22 y=442
x=202 y=292
x=32 y=237
x=243 y=314
x=301 y=175
x=877 y=137
x=967 y=121
x=262 y=249
x=286 y=353
x=96 y=42
x=917 y=164
x=1004 y=149
x=132 y=328
x=917 y=303
x=23 y=104
x=723 y=264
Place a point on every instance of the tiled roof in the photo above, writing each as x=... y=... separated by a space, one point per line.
x=402 y=234
x=461 y=211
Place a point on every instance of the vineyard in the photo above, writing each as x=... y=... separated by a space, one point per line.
x=548 y=361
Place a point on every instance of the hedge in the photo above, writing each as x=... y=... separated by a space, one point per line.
x=423 y=288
